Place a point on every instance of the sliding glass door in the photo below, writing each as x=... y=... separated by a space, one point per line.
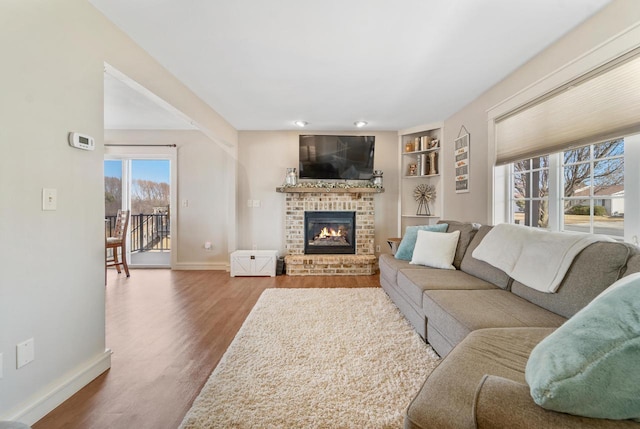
x=143 y=186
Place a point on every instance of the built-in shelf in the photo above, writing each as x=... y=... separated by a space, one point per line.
x=421 y=177
x=416 y=138
x=417 y=152
x=301 y=190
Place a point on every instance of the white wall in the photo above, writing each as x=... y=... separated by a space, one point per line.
x=205 y=180
x=52 y=263
x=474 y=206
x=263 y=158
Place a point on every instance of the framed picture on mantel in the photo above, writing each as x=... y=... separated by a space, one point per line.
x=461 y=155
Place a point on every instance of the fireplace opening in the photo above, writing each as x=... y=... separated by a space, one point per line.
x=329 y=232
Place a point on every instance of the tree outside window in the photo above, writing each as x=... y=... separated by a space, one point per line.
x=531 y=192
x=592 y=183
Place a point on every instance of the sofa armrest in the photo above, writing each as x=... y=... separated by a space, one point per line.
x=501 y=403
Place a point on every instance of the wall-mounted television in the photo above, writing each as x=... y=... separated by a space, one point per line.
x=336 y=157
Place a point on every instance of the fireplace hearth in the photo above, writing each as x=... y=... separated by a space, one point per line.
x=329 y=232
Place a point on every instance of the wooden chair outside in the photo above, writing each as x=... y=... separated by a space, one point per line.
x=119 y=241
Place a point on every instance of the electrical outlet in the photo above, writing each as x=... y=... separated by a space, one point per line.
x=185 y=203
x=378 y=248
x=256 y=203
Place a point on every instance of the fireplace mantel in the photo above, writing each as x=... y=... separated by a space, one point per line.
x=320 y=190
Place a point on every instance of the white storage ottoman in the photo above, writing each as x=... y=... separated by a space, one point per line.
x=254 y=263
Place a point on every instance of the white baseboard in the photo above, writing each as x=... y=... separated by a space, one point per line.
x=47 y=402
x=221 y=266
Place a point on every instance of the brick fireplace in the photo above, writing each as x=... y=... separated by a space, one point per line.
x=358 y=200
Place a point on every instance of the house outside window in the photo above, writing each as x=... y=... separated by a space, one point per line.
x=581 y=189
x=593 y=187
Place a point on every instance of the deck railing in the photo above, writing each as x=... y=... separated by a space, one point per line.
x=148 y=231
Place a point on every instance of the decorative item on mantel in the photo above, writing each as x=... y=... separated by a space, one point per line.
x=424 y=194
x=377 y=178
x=328 y=186
x=291 y=179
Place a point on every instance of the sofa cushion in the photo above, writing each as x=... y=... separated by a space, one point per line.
x=481 y=269
x=633 y=265
x=447 y=396
x=504 y=403
x=435 y=249
x=413 y=282
x=589 y=366
x=467 y=232
x=456 y=313
x=406 y=246
x=389 y=267
x=410 y=310
x=593 y=270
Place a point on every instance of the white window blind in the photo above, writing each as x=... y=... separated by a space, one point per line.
x=602 y=105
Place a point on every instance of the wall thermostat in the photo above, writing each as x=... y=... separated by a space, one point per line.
x=82 y=141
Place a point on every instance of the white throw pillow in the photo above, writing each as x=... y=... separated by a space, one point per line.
x=435 y=249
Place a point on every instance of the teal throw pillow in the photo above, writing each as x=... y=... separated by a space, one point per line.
x=590 y=366
x=408 y=243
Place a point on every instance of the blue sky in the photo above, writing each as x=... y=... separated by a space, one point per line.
x=156 y=170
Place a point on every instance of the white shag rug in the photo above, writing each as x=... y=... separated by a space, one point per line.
x=316 y=358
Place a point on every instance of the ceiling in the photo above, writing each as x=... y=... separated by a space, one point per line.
x=263 y=65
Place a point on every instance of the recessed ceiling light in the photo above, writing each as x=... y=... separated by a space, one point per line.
x=301 y=123
x=359 y=124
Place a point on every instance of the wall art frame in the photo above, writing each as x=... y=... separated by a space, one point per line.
x=462 y=160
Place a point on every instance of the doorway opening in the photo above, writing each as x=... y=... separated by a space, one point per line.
x=142 y=186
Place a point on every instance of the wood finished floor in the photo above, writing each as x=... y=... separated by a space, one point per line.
x=168 y=330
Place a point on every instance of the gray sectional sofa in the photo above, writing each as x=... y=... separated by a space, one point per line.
x=484 y=324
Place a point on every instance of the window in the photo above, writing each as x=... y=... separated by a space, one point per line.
x=593 y=188
x=580 y=189
x=530 y=192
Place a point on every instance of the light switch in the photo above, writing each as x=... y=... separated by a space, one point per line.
x=49 y=199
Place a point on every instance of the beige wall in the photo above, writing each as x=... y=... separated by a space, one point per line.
x=474 y=206
x=205 y=180
x=52 y=263
x=263 y=159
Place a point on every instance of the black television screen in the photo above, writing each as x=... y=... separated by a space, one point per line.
x=336 y=157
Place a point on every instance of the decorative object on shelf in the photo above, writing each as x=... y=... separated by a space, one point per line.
x=424 y=143
x=291 y=179
x=423 y=164
x=424 y=194
x=408 y=147
x=377 y=178
x=432 y=163
x=433 y=144
x=413 y=170
x=461 y=155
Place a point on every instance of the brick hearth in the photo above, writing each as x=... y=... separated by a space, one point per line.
x=364 y=262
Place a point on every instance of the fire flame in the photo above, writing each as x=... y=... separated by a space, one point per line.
x=329 y=233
